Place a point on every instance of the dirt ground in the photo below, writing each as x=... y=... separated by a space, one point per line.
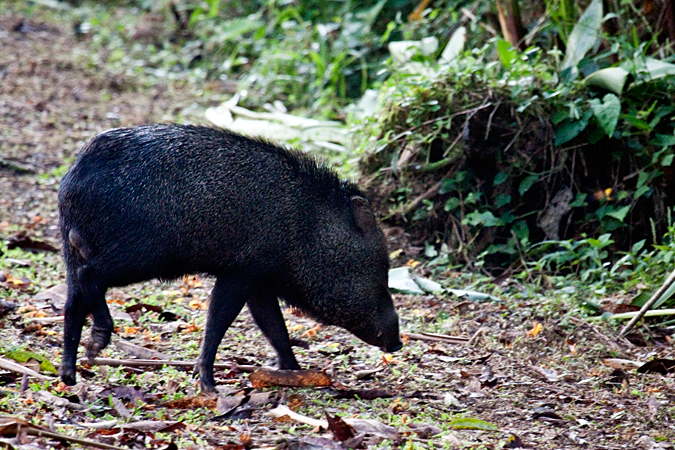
x=560 y=386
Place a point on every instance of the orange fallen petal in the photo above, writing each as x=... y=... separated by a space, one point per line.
x=311 y=332
x=536 y=329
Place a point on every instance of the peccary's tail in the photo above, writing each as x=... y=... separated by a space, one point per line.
x=77 y=241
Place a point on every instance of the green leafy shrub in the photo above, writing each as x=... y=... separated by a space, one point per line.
x=498 y=151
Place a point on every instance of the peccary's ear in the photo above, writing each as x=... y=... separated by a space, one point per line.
x=363 y=215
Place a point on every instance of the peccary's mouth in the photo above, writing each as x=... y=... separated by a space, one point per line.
x=391 y=348
x=387 y=342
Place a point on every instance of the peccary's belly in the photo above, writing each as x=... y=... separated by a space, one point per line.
x=140 y=256
x=128 y=242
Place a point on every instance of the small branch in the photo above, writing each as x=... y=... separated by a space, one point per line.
x=430 y=192
x=649 y=304
x=45 y=320
x=489 y=122
x=160 y=362
x=631 y=314
x=434 y=337
x=459 y=136
x=17 y=426
x=435 y=165
x=407 y=208
x=73 y=439
x=139 y=352
x=17 y=166
x=473 y=17
x=475 y=336
x=436 y=119
x=513 y=140
x=15 y=367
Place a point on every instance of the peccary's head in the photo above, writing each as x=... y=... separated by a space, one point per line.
x=351 y=263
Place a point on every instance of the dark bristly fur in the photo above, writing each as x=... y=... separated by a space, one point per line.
x=166 y=200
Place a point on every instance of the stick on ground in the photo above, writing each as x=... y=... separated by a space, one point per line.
x=160 y=362
x=437 y=338
x=648 y=305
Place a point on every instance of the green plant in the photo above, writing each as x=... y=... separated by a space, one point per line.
x=585 y=258
x=568 y=158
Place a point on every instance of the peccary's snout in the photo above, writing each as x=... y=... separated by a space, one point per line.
x=382 y=332
x=393 y=346
x=390 y=334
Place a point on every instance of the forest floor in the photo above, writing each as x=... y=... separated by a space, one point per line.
x=533 y=372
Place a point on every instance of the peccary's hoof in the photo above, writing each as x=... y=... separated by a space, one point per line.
x=206 y=381
x=67 y=376
x=100 y=338
x=207 y=388
x=288 y=365
x=207 y=384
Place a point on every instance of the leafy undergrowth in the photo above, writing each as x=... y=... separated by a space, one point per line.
x=531 y=370
x=498 y=152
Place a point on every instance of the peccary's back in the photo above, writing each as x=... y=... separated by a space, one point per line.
x=165 y=200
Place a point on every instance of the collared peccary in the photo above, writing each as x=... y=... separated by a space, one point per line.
x=167 y=200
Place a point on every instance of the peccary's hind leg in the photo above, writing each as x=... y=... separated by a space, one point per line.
x=266 y=312
x=227 y=299
x=74 y=315
x=103 y=325
x=84 y=296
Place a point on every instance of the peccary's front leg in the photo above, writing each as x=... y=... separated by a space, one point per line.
x=85 y=295
x=227 y=299
x=266 y=312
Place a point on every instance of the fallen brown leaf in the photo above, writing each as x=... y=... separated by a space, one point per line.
x=311 y=333
x=20 y=284
x=661 y=366
x=514 y=441
x=7 y=306
x=198 y=401
x=56 y=401
x=22 y=241
x=424 y=430
x=57 y=294
x=367 y=373
x=289 y=378
x=154 y=425
x=340 y=429
x=224 y=404
x=547 y=374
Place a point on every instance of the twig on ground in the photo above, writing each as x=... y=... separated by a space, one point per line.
x=15 y=367
x=160 y=362
x=475 y=336
x=438 y=338
x=45 y=320
x=669 y=281
x=16 y=426
x=139 y=352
